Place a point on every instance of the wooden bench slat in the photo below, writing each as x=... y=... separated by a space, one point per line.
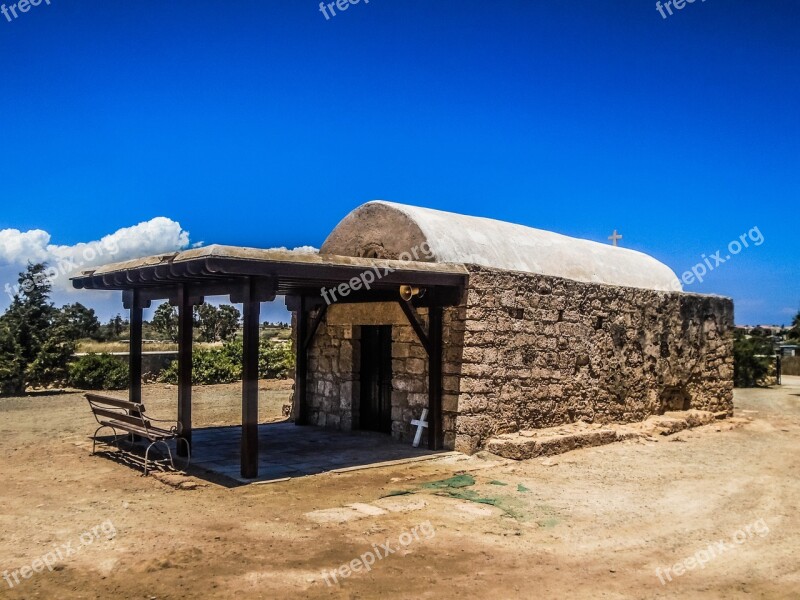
x=123 y=417
x=115 y=402
x=151 y=433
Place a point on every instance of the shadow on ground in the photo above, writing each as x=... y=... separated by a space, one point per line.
x=285 y=451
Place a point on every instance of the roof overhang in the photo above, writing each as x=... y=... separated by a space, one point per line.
x=226 y=270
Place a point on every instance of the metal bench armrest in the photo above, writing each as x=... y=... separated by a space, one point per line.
x=177 y=427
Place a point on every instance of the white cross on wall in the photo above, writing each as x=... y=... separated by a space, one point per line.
x=615 y=237
x=420 y=424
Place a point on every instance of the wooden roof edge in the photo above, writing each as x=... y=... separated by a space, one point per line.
x=263 y=256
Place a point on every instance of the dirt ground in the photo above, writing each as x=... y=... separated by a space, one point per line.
x=593 y=523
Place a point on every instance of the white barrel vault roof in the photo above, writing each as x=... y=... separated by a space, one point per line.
x=394 y=229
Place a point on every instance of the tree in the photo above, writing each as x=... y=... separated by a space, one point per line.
x=217 y=324
x=751 y=359
x=794 y=333
x=114 y=329
x=12 y=369
x=117 y=325
x=77 y=322
x=31 y=312
x=165 y=321
x=34 y=348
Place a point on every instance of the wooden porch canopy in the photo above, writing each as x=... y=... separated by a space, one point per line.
x=251 y=276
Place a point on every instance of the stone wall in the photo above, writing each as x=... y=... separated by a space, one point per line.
x=529 y=351
x=542 y=351
x=334 y=369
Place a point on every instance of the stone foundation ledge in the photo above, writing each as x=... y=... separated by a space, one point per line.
x=557 y=440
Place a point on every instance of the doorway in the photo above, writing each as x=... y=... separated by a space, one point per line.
x=376 y=378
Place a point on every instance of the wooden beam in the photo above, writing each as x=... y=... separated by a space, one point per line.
x=435 y=434
x=185 y=341
x=301 y=367
x=197 y=291
x=416 y=325
x=132 y=300
x=135 y=353
x=249 y=447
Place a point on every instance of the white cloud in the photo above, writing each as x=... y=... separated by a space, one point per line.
x=300 y=249
x=150 y=237
x=17 y=248
x=156 y=236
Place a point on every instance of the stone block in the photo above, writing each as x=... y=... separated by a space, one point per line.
x=466 y=443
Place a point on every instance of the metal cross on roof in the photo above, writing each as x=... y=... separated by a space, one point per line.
x=615 y=237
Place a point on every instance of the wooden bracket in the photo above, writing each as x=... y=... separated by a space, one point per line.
x=411 y=315
x=262 y=290
x=312 y=330
x=133 y=299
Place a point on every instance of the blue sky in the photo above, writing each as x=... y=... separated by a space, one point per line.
x=261 y=123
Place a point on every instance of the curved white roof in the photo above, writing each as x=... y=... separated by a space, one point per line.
x=388 y=230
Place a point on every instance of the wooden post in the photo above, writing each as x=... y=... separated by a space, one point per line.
x=435 y=434
x=301 y=368
x=249 y=447
x=185 y=340
x=135 y=350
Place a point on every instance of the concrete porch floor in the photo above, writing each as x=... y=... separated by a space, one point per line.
x=286 y=451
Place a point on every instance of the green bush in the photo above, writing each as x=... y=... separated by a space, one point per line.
x=51 y=366
x=99 y=372
x=275 y=360
x=224 y=365
x=208 y=367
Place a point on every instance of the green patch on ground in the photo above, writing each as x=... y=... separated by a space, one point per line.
x=455 y=487
x=459 y=481
x=548 y=516
x=509 y=506
x=472 y=496
x=547 y=523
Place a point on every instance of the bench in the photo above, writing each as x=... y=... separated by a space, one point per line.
x=122 y=415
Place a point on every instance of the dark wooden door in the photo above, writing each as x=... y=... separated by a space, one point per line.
x=376 y=378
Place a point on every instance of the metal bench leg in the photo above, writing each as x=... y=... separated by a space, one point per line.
x=147 y=454
x=188 y=452
x=94 y=437
x=169 y=453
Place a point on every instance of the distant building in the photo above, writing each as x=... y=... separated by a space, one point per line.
x=790 y=350
x=772 y=329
